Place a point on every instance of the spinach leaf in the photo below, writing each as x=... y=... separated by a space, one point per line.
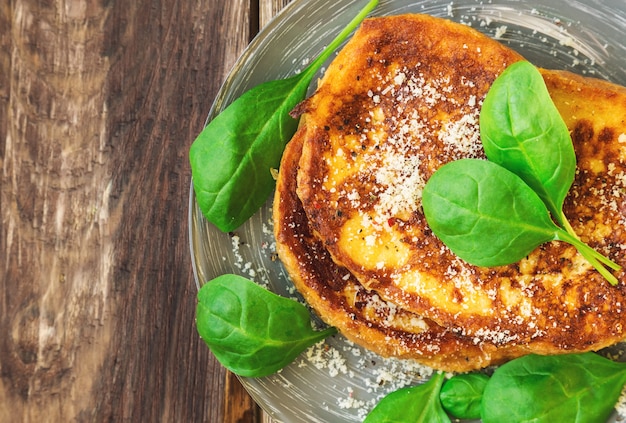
x=462 y=394
x=580 y=388
x=232 y=157
x=250 y=330
x=488 y=216
x=416 y=404
x=522 y=130
x=484 y=213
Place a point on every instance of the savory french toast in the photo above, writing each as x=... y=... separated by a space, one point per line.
x=360 y=314
x=399 y=101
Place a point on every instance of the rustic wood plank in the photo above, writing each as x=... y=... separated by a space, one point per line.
x=270 y=8
x=99 y=102
x=56 y=228
x=239 y=407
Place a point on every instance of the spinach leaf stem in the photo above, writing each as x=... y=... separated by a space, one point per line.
x=596 y=259
x=335 y=43
x=600 y=257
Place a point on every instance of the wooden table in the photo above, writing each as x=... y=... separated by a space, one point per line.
x=99 y=103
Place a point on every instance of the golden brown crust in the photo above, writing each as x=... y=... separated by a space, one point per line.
x=399 y=101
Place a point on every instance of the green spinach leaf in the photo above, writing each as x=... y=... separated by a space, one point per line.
x=489 y=216
x=581 y=388
x=462 y=394
x=232 y=157
x=522 y=130
x=484 y=213
x=250 y=330
x=416 y=404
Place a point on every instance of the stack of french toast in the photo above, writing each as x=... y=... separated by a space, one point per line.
x=400 y=100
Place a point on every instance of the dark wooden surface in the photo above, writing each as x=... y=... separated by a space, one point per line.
x=99 y=103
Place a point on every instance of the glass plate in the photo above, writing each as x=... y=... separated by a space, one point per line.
x=338 y=381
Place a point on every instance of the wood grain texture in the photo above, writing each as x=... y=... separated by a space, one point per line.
x=238 y=405
x=99 y=102
x=270 y=8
